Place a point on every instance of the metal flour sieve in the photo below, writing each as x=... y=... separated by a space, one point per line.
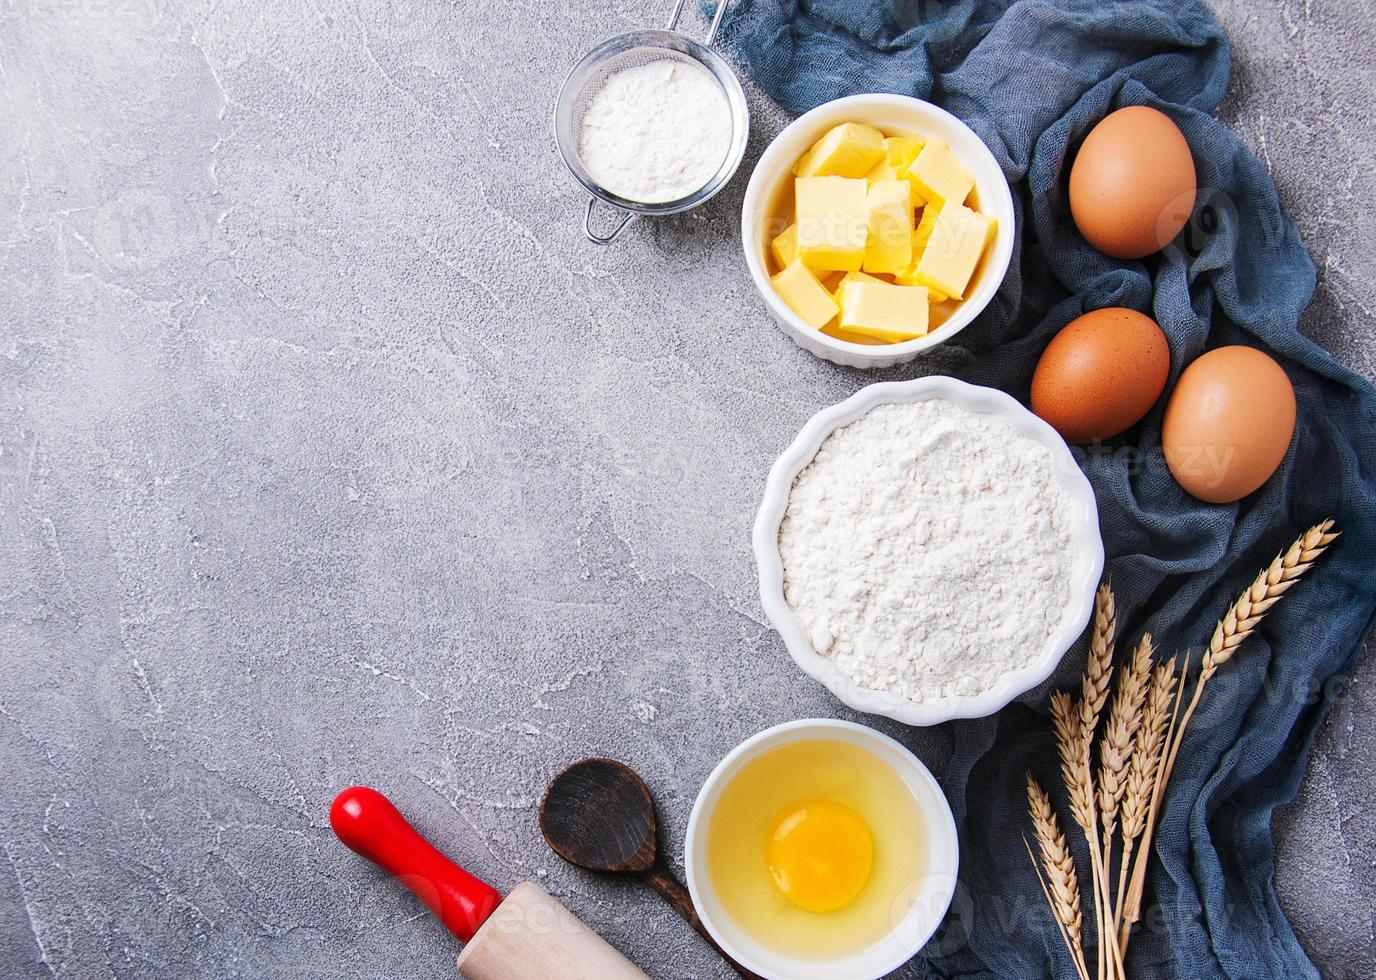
x=629 y=51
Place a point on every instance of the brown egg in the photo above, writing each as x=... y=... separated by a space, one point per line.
x=1228 y=423
x=1101 y=374
x=1132 y=185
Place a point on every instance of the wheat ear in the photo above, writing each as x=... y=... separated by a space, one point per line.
x=1246 y=613
x=1062 y=884
x=1079 y=784
x=1093 y=695
x=1099 y=668
x=1124 y=717
x=1065 y=721
x=1051 y=902
x=1132 y=907
x=1146 y=757
x=1265 y=592
x=1234 y=628
x=1115 y=754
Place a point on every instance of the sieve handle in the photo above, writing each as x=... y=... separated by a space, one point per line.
x=716 y=19
x=626 y=218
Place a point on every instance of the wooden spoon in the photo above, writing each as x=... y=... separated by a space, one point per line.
x=598 y=815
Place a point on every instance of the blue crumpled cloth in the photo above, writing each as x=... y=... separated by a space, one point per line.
x=1032 y=78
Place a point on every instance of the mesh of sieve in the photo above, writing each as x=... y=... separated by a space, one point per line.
x=608 y=66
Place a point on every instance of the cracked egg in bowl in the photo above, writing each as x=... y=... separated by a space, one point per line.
x=819 y=849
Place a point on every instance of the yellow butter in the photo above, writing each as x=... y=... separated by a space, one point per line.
x=832 y=222
x=847 y=150
x=907 y=276
x=850 y=277
x=939 y=176
x=889 y=240
x=958 y=239
x=798 y=286
x=899 y=154
x=785 y=246
x=879 y=309
x=832 y=281
x=831 y=330
x=923 y=234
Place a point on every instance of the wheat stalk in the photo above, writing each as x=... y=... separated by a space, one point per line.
x=1051 y=902
x=1124 y=717
x=1065 y=721
x=1132 y=906
x=1075 y=723
x=1093 y=695
x=1079 y=784
x=1232 y=630
x=1246 y=613
x=1061 y=884
x=1146 y=758
x=1146 y=749
x=1099 y=668
x=1264 y=592
x=1115 y=753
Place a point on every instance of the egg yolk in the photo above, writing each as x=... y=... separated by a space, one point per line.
x=820 y=854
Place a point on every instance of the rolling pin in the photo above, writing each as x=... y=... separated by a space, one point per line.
x=529 y=936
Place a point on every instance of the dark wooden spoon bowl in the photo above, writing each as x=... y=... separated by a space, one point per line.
x=598 y=814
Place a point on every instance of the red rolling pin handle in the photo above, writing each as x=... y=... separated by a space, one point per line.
x=368 y=823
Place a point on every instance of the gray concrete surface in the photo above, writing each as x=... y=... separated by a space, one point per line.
x=330 y=452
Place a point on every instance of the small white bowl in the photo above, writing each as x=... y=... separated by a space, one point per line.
x=1087 y=560
x=927 y=898
x=896 y=113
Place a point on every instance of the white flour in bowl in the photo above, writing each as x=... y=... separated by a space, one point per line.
x=656 y=132
x=926 y=550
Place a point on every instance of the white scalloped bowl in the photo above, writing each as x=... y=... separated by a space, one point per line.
x=1087 y=560
x=895 y=113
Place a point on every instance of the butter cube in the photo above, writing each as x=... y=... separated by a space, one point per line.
x=939 y=176
x=847 y=150
x=805 y=296
x=907 y=276
x=889 y=241
x=833 y=222
x=899 y=154
x=850 y=277
x=957 y=241
x=785 y=247
x=831 y=330
x=923 y=234
x=884 y=311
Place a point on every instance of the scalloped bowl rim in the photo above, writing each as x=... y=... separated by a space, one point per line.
x=1086 y=567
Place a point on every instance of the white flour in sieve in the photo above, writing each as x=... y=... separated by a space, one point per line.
x=656 y=132
x=926 y=550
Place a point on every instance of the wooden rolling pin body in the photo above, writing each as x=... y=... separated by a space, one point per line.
x=532 y=937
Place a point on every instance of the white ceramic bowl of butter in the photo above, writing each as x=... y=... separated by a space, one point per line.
x=921 y=906
x=1086 y=563
x=891 y=113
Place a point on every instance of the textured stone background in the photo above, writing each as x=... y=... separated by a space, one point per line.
x=330 y=452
